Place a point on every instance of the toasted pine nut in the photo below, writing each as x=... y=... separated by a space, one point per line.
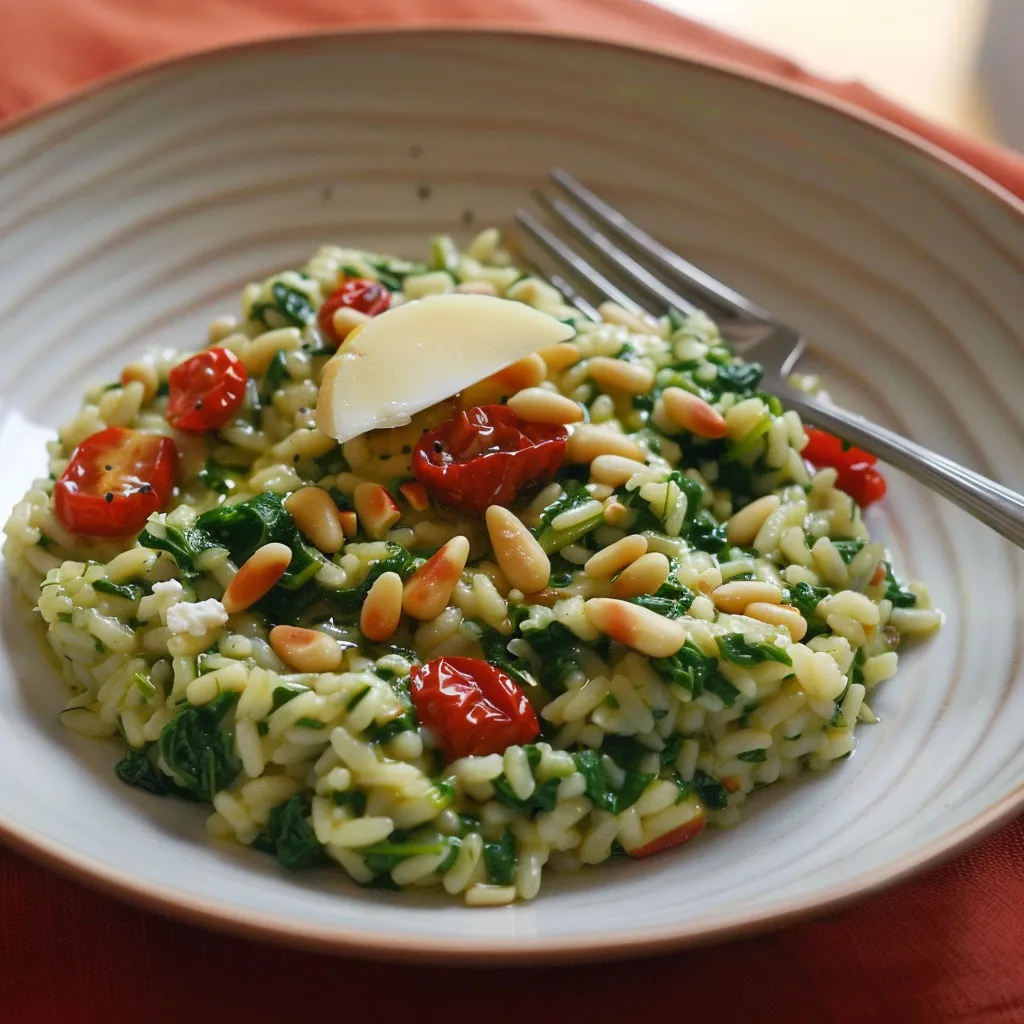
x=612 y=470
x=376 y=509
x=146 y=375
x=644 y=576
x=779 y=615
x=538 y=405
x=613 y=313
x=615 y=374
x=610 y=560
x=525 y=373
x=316 y=516
x=693 y=413
x=305 y=650
x=560 y=357
x=428 y=590
x=646 y=631
x=349 y=522
x=517 y=552
x=382 y=608
x=416 y=494
x=615 y=513
x=588 y=441
x=255 y=578
x=220 y=328
x=734 y=597
x=345 y=320
x=742 y=527
x=476 y=288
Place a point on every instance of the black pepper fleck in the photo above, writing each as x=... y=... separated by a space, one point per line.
x=199 y=404
x=146 y=489
x=108 y=497
x=438 y=447
x=108 y=468
x=406 y=449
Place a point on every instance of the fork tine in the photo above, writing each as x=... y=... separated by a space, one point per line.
x=573 y=262
x=573 y=297
x=681 y=271
x=635 y=272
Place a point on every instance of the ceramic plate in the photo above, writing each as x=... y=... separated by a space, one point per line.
x=134 y=214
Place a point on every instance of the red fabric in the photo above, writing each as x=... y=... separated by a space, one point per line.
x=946 y=947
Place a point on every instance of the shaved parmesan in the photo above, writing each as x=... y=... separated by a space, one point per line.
x=420 y=353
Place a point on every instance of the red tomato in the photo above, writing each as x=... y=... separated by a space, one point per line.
x=357 y=293
x=681 y=835
x=486 y=456
x=205 y=391
x=115 y=480
x=471 y=707
x=857 y=475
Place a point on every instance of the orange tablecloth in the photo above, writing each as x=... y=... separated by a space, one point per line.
x=947 y=947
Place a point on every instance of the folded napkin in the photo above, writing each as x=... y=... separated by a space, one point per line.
x=946 y=947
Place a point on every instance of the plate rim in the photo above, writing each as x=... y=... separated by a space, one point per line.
x=229 y=918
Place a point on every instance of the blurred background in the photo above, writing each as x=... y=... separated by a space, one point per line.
x=960 y=62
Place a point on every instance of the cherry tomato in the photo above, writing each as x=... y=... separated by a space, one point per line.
x=486 y=456
x=357 y=293
x=471 y=707
x=115 y=480
x=206 y=391
x=857 y=475
x=677 y=837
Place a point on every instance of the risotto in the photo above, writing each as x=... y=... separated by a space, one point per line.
x=578 y=610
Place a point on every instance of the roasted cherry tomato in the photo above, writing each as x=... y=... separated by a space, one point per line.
x=115 y=480
x=486 y=456
x=675 y=838
x=471 y=707
x=206 y=391
x=357 y=293
x=857 y=475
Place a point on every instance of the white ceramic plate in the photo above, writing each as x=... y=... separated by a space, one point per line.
x=132 y=215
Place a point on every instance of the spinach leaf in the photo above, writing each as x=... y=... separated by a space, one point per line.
x=199 y=750
x=495 y=648
x=588 y=764
x=736 y=648
x=899 y=597
x=753 y=756
x=184 y=546
x=129 y=591
x=717 y=684
x=688 y=668
x=806 y=598
x=739 y=376
x=349 y=600
x=847 y=549
x=676 y=320
x=217 y=477
x=706 y=534
x=552 y=540
x=276 y=375
x=291 y=835
x=671 y=599
x=544 y=795
x=288 y=307
x=500 y=859
x=711 y=792
x=557 y=648
x=383 y=856
x=136 y=769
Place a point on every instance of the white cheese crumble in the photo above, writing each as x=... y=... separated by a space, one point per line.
x=165 y=594
x=196 y=618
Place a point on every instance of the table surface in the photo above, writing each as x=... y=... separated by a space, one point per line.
x=918 y=52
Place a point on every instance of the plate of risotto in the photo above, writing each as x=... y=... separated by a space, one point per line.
x=373 y=597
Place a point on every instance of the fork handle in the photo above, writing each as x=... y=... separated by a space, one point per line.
x=993 y=504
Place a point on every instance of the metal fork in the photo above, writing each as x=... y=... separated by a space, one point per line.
x=646 y=267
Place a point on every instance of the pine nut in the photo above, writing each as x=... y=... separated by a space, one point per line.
x=376 y=509
x=349 y=522
x=612 y=559
x=305 y=650
x=537 y=405
x=743 y=527
x=612 y=470
x=779 y=615
x=476 y=288
x=256 y=577
x=693 y=413
x=734 y=597
x=316 y=516
x=644 y=576
x=615 y=374
x=416 y=494
x=345 y=320
x=429 y=588
x=640 y=628
x=615 y=513
x=587 y=442
x=560 y=357
x=613 y=313
x=382 y=608
x=517 y=552
x=525 y=373
x=146 y=375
